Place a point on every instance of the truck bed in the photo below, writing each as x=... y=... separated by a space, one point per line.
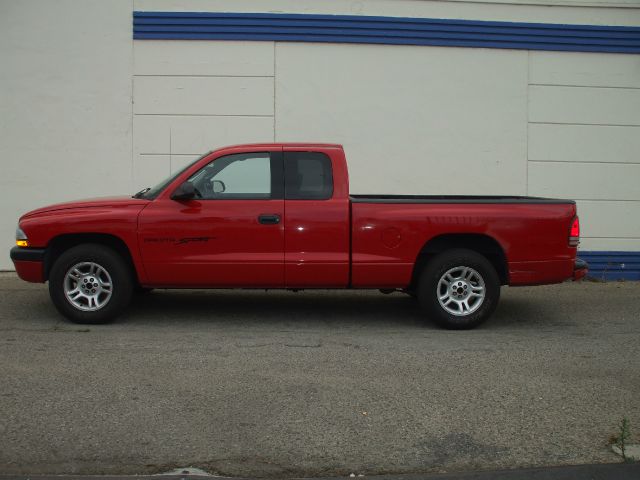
x=390 y=231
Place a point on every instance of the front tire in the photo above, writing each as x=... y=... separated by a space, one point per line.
x=459 y=289
x=90 y=284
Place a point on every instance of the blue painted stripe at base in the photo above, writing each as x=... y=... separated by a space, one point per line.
x=608 y=265
x=383 y=30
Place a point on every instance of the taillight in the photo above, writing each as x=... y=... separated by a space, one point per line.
x=574 y=232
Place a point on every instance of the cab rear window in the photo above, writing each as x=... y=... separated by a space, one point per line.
x=308 y=176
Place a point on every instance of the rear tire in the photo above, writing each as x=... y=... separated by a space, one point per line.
x=90 y=284
x=459 y=289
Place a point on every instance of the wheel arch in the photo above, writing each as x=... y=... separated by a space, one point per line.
x=64 y=242
x=482 y=244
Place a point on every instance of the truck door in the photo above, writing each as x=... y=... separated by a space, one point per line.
x=316 y=222
x=230 y=235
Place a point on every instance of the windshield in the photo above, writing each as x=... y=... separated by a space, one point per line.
x=150 y=193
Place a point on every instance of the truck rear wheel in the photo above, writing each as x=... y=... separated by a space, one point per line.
x=90 y=283
x=459 y=289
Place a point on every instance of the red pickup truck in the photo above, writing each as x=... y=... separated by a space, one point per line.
x=280 y=216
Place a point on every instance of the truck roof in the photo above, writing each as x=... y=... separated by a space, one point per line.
x=286 y=144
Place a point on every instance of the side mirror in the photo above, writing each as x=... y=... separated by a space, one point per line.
x=186 y=191
x=218 y=186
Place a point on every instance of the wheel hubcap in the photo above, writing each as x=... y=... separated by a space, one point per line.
x=461 y=291
x=88 y=286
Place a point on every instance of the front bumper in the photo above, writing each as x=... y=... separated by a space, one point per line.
x=29 y=263
x=580 y=269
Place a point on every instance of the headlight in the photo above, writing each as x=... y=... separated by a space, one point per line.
x=21 y=238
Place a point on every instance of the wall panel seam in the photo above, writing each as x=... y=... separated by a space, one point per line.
x=581 y=86
x=150 y=154
x=586 y=124
x=200 y=115
x=147 y=75
x=132 y=111
x=526 y=120
x=583 y=162
x=274 y=91
x=628 y=200
x=632 y=200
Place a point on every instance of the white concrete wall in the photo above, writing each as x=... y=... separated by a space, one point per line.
x=87 y=111
x=192 y=97
x=65 y=105
x=584 y=141
x=412 y=119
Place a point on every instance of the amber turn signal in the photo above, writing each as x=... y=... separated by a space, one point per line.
x=22 y=243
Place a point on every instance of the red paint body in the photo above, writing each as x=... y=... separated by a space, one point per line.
x=29 y=271
x=334 y=243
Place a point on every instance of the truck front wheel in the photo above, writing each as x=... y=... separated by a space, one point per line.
x=90 y=283
x=459 y=289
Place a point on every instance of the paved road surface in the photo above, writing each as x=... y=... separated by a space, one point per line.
x=316 y=383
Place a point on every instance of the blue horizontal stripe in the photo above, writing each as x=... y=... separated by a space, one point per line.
x=611 y=265
x=383 y=30
x=370 y=33
x=434 y=26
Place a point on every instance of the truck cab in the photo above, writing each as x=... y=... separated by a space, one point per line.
x=259 y=216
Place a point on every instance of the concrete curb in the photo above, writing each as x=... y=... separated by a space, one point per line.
x=616 y=471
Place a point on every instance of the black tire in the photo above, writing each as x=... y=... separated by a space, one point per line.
x=429 y=288
x=110 y=261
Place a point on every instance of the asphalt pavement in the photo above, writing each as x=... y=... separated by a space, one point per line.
x=316 y=383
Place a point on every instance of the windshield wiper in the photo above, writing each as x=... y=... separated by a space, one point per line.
x=141 y=192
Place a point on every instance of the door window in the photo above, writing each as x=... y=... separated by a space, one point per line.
x=241 y=176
